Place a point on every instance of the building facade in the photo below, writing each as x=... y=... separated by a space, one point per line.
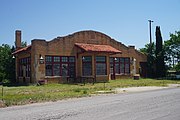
x=84 y=54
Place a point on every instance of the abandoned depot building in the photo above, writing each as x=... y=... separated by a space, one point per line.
x=81 y=55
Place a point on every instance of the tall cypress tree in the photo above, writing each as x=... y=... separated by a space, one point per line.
x=160 y=65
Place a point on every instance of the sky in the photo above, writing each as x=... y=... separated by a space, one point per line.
x=123 y=20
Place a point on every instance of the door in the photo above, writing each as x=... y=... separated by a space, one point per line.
x=143 y=69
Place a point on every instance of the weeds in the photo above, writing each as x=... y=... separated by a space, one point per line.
x=52 y=92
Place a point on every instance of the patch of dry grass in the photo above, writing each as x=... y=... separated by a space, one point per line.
x=53 y=92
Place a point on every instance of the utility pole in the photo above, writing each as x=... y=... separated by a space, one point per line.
x=150 y=56
x=150 y=21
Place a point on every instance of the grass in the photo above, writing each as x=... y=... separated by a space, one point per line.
x=52 y=92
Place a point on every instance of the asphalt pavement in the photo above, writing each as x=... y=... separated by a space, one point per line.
x=161 y=104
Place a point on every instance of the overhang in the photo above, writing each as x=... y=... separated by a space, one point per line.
x=22 y=49
x=97 y=48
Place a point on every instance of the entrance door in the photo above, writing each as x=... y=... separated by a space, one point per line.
x=143 y=69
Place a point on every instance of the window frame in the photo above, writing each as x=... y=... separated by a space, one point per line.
x=101 y=62
x=59 y=62
x=27 y=63
x=86 y=63
x=121 y=61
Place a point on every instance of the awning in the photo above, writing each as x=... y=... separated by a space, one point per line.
x=22 y=49
x=97 y=48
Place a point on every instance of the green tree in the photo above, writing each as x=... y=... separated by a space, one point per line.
x=7 y=63
x=177 y=67
x=23 y=44
x=159 y=52
x=172 y=50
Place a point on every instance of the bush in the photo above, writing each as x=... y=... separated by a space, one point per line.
x=6 y=81
x=177 y=67
x=2 y=76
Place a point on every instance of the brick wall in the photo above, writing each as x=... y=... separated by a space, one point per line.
x=64 y=46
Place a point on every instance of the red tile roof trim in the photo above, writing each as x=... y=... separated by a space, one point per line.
x=97 y=48
x=22 y=49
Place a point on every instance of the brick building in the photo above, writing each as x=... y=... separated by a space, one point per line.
x=84 y=54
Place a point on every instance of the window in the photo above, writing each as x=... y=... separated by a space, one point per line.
x=111 y=60
x=117 y=66
x=87 y=65
x=64 y=68
x=71 y=69
x=60 y=65
x=127 y=65
x=101 y=65
x=71 y=59
x=56 y=59
x=100 y=59
x=49 y=69
x=48 y=59
x=122 y=65
x=56 y=69
x=24 y=67
x=71 y=66
x=64 y=59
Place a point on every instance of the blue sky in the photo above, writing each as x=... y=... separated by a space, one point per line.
x=123 y=20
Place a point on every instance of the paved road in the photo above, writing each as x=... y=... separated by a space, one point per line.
x=152 y=105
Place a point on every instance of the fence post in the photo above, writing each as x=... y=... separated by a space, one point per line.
x=2 y=92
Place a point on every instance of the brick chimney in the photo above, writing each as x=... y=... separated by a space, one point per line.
x=131 y=46
x=18 y=39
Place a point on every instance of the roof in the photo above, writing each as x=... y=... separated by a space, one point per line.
x=22 y=49
x=97 y=48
